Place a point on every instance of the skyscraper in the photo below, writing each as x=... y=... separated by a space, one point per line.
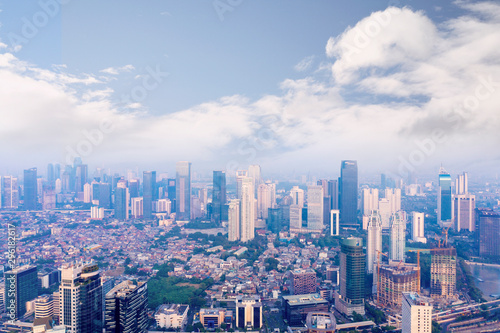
x=443 y=272
x=183 y=191
x=126 y=308
x=348 y=199
x=352 y=277
x=398 y=234
x=374 y=240
x=121 y=201
x=464 y=204
x=9 y=192
x=266 y=198
x=315 y=207
x=81 y=177
x=149 y=192
x=234 y=220
x=81 y=298
x=218 y=196
x=254 y=172
x=297 y=195
x=444 y=197
x=488 y=222
x=247 y=208
x=30 y=189
x=417 y=313
x=21 y=286
x=369 y=200
x=417 y=223
x=51 y=179
x=333 y=193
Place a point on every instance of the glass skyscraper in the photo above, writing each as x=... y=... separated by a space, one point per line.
x=148 y=193
x=218 y=196
x=126 y=308
x=183 y=191
x=352 y=277
x=348 y=188
x=21 y=286
x=444 y=196
x=30 y=189
x=121 y=203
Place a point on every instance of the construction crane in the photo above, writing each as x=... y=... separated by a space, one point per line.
x=418 y=259
x=378 y=274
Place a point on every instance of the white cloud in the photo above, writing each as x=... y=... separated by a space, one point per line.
x=304 y=64
x=117 y=70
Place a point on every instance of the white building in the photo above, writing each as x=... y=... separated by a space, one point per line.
x=172 y=315
x=266 y=198
x=137 y=207
x=248 y=312
x=417 y=222
x=233 y=233
x=44 y=306
x=87 y=193
x=374 y=240
x=417 y=314
x=164 y=206
x=96 y=212
x=315 y=207
x=398 y=236
x=247 y=208
x=297 y=195
x=295 y=216
x=369 y=200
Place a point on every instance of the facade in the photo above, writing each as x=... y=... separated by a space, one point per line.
x=334 y=222
x=183 y=191
x=121 y=202
x=172 y=316
x=444 y=204
x=126 y=308
x=80 y=298
x=348 y=196
x=247 y=208
x=417 y=313
x=44 y=306
x=463 y=212
x=21 y=286
x=315 y=207
x=212 y=319
x=295 y=217
x=369 y=200
x=333 y=193
x=30 y=189
x=266 y=199
x=417 y=224
x=233 y=232
x=248 y=312
x=296 y=307
x=396 y=278
x=148 y=193
x=397 y=236
x=443 y=272
x=218 y=196
x=488 y=222
x=374 y=240
x=9 y=191
x=297 y=195
x=303 y=281
x=352 y=277
x=137 y=205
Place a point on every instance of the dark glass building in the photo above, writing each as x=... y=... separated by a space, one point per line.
x=444 y=196
x=126 y=309
x=488 y=225
x=30 y=189
x=183 y=191
x=275 y=219
x=348 y=196
x=81 y=177
x=21 y=286
x=148 y=193
x=352 y=276
x=121 y=203
x=333 y=193
x=218 y=196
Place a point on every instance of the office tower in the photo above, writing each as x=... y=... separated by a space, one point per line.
x=21 y=286
x=87 y=193
x=352 y=277
x=96 y=213
x=398 y=236
x=44 y=306
x=164 y=206
x=126 y=308
x=395 y=279
x=218 y=196
x=333 y=193
x=172 y=316
x=303 y=281
x=462 y=184
x=298 y=306
x=149 y=192
x=254 y=172
x=183 y=191
x=51 y=177
x=315 y=207
x=348 y=188
x=56 y=307
x=81 y=298
x=10 y=192
x=374 y=240
x=30 y=189
x=417 y=223
x=369 y=200
x=463 y=212
x=213 y=318
x=417 y=314
x=394 y=197
x=295 y=217
x=49 y=199
x=334 y=222
x=444 y=197
x=233 y=233
x=248 y=312
x=266 y=198
x=389 y=205
x=247 y=209
x=443 y=272
x=133 y=188
x=121 y=201
x=297 y=195
x=488 y=223
x=81 y=177
x=137 y=207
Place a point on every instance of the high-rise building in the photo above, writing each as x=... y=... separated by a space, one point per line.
x=30 y=189
x=417 y=313
x=417 y=223
x=254 y=172
x=274 y=220
x=44 y=306
x=126 y=308
x=348 y=188
x=266 y=198
x=183 y=191
x=443 y=272
x=334 y=222
x=148 y=193
x=247 y=208
x=374 y=240
x=398 y=236
x=218 y=196
x=315 y=207
x=21 y=286
x=234 y=220
x=133 y=188
x=444 y=204
x=369 y=200
x=462 y=184
x=333 y=193
x=303 y=281
x=395 y=279
x=295 y=217
x=488 y=223
x=136 y=207
x=9 y=192
x=81 y=177
x=352 y=277
x=122 y=197
x=80 y=297
x=297 y=195
x=463 y=212
x=248 y=312
x=51 y=176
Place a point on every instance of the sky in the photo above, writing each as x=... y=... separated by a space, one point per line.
x=294 y=86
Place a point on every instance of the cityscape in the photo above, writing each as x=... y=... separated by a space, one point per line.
x=237 y=166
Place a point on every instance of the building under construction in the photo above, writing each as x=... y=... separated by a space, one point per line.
x=396 y=278
x=443 y=272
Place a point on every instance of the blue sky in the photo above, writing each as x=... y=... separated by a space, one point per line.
x=267 y=82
